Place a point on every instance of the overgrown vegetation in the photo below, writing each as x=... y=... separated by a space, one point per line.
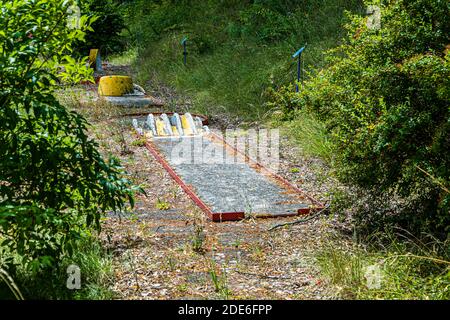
x=236 y=49
x=375 y=107
x=383 y=103
x=384 y=100
x=106 y=29
x=376 y=110
x=54 y=184
x=408 y=269
x=311 y=134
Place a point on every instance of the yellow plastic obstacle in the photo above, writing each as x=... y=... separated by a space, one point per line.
x=187 y=128
x=160 y=127
x=175 y=131
x=92 y=57
x=115 y=86
x=171 y=126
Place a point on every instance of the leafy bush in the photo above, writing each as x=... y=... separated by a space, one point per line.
x=385 y=100
x=54 y=184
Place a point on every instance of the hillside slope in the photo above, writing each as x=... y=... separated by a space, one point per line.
x=236 y=49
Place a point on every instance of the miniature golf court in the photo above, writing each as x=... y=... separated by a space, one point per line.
x=224 y=190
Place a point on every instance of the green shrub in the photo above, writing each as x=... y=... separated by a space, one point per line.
x=54 y=184
x=385 y=101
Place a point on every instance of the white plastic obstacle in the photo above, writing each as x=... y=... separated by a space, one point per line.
x=136 y=127
x=171 y=126
x=151 y=123
x=167 y=126
x=191 y=122
x=176 y=121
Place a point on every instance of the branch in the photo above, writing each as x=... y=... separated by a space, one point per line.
x=299 y=221
x=11 y=284
x=434 y=179
x=261 y=275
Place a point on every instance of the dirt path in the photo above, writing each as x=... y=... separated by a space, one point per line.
x=165 y=248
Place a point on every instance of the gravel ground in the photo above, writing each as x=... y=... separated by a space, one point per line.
x=165 y=248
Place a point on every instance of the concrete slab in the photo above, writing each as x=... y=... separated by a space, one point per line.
x=227 y=187
x=133 y=101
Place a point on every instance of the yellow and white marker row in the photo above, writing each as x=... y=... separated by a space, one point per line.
x=171 y=126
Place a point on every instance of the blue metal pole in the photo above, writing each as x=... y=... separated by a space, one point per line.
x=299 y=68
x=183 y=42
x=298 y=55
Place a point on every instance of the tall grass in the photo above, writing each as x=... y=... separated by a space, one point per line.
x=219 y=279
x=125 y=58
x=231 y=60
x=96 y=277
x=409 y=268
x=311 y=135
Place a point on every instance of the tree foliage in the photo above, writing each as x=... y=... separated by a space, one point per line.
x=54 y=184
x=106 y=29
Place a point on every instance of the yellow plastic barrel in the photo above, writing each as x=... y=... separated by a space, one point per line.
x=115 y=86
